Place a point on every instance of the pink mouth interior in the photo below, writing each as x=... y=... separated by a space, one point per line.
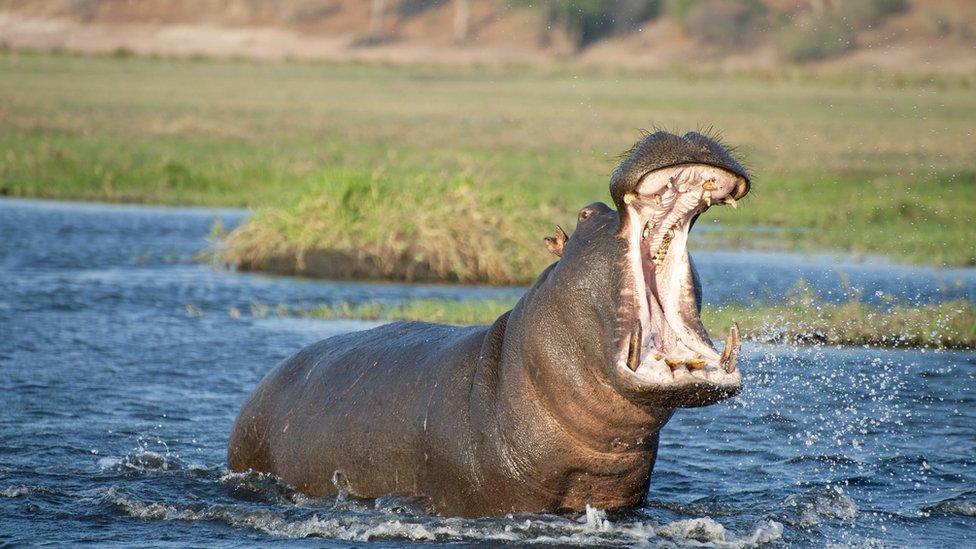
x=662 y=211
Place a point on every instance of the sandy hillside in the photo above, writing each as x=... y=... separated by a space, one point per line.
x=927 y=35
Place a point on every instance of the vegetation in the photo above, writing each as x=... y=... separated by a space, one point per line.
x=587 y=21
x=803 y=319
x=831 y=31
x=459 y=173
x=824 y=30
x=370 y=227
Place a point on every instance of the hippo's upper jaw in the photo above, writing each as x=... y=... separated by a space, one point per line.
x=663 y=355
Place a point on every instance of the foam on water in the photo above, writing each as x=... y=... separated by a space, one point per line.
x=14 y=492
x=364 y=522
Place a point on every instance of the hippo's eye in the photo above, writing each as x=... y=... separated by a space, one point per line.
x=585 y=213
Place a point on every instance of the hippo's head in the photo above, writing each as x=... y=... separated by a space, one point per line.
x=631 y=277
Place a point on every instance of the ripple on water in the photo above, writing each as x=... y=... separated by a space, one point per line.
x=960 y=507
x=144 y=460
x=813 y=506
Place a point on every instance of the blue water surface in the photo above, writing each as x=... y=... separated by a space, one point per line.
x=123 y=362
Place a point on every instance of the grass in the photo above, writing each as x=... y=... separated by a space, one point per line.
x=802 y=319
x=457 y=174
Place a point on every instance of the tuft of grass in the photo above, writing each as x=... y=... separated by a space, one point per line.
x=360 y=226
x=802 y=319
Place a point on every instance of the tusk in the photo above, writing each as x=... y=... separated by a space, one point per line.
x=731 y=202
x=629 y=197
x=730 y=355
x=633 y=354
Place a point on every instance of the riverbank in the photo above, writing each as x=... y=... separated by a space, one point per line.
x=804 y=320
x=858 y=165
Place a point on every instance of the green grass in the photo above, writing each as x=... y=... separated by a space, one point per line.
x=801 y=319
x=874 y=163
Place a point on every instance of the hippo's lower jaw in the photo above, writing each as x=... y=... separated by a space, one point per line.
x=667 y=358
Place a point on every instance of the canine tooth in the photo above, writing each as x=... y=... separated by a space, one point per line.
x=633 y=352
x=707 y=197
x=730 y=355
x=629 y=197
x=731 y=202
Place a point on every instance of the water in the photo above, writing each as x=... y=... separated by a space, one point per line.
x=123 y=363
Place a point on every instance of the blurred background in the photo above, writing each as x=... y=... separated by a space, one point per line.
x=411 y=155
x=377 y=126
x=934 y=35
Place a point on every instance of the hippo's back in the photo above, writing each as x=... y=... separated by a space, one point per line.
x=358 y=404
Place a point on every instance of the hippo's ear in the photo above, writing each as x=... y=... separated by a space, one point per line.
x=556 y=243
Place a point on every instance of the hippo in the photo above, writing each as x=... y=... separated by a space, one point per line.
x=555 y=406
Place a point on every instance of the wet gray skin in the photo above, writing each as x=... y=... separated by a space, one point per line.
x=556 y=405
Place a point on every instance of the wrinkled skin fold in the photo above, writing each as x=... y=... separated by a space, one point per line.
x=556 y=405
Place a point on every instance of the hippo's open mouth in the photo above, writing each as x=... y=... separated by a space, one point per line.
x=667 y=348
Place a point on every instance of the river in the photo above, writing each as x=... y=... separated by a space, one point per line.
x=123 y=361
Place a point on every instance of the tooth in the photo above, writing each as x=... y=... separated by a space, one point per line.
x=730 y=355
x=629 y=197
x=633 y=353
x=707 y=197
x=731 y=202
x=673 y=362
x=709 y=185
x=657 y=199
x=695 y=364
x=647 y=230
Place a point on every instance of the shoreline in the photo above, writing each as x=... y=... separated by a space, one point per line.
x=806 y=321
